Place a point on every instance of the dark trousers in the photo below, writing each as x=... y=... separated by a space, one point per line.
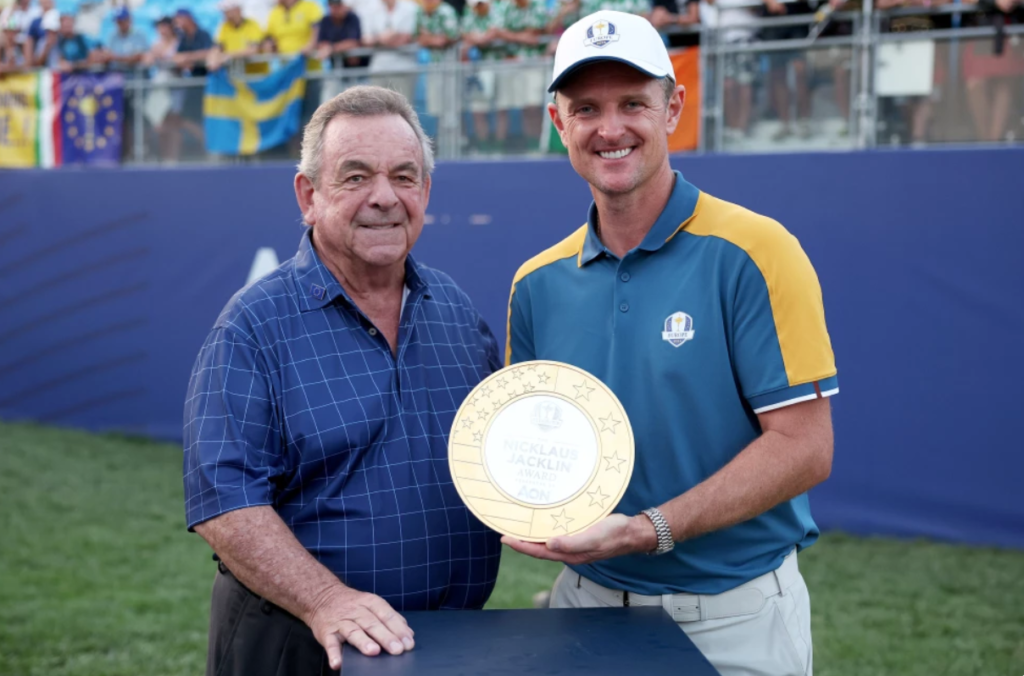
x=252 y=637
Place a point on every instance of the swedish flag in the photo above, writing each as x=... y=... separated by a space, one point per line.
x=242 y=118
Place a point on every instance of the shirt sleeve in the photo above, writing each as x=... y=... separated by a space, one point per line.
x=253 y=34
x=273 y=21
x=781 y=348
x=232 y=436
x=316 y=13
x=451 y=24
x=519 y=343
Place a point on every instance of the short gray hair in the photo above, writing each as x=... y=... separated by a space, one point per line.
x=361 y=101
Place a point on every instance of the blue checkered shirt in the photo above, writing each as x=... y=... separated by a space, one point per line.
x=296 y=401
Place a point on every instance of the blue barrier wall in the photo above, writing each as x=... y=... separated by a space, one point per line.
x=109 y=281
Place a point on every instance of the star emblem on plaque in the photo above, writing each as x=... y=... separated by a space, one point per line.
x=552 y=457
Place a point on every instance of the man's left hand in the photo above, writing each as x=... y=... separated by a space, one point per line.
x=614 y=536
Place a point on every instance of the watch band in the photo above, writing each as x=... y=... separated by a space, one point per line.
x=661 y=528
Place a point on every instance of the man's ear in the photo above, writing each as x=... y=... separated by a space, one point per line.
x=557 y=121
x=304 y=191
x=675 y=109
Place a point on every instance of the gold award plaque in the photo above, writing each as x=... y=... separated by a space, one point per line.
x=541 y=449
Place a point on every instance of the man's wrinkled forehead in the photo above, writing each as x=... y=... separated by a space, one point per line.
x=352 y=139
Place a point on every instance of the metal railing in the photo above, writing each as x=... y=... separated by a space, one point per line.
x=821 y=92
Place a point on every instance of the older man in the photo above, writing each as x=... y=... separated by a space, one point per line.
x=707 y=322
x=317 y=416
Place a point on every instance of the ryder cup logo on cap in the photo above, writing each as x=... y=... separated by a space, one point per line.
x=611 y=36
x=600 y=34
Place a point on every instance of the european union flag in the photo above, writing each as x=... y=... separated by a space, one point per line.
x=91 y=118
x=243 y=118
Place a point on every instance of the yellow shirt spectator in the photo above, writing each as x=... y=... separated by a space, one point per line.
x=293 y=28
x=233 y=39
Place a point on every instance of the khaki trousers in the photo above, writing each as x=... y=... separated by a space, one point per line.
x=761 y=628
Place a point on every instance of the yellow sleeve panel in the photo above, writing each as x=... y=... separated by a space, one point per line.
x=569 y=247
x=793 y=287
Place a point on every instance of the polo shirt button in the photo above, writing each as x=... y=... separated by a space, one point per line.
x=624 y=307
x=373 y=332
x=624 y=276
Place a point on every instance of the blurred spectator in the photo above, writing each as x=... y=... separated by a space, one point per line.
x=42 y=35
x=12 y=52
x=125 y=50
x=641 y=7
x=840 y=59
x=732 y=19
x=127 y=47
x=482 y=28
x=391 y=24
x=292 y=28
x=437 y=29
x=73 y=49
x=526 y=88
x=16 y=20
x=567 y=13
x=993 y=69
x=238 y=37
x=917 y=110
x=161 y=54
x=163 y=105
x=194 y=46
x=666 y=15
x=780 y=63
x=340 y=31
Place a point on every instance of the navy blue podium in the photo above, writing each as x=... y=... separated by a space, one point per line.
x=584 y=641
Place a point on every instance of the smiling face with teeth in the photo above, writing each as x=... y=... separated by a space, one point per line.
x=368 y=210
x=615 y=122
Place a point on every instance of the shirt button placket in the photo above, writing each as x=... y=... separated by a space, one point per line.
x=624 y=277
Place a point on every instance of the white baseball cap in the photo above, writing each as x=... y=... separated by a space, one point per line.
x=611 y=36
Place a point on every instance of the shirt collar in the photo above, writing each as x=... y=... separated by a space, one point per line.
x=681 y=204
x=317 y=286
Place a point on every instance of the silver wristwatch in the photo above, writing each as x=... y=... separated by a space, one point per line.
x=665 y=541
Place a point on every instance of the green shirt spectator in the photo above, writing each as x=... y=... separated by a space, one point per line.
x=437 y=27
x=641 y=7
x=481 y=28
x=524 y=20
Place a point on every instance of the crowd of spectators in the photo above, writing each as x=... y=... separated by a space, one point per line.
x=389 y=38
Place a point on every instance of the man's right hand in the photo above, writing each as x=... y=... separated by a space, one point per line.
x=365 y=621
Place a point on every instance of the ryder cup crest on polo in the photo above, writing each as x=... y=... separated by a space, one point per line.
x=678 y=329
x=611 y=36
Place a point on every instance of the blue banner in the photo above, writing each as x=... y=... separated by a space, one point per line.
x=103 y=309
x=91 y=118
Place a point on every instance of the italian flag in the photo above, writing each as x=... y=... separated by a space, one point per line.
x=48 y=105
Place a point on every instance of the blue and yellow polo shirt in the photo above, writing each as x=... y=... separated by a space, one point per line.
x=717 y=316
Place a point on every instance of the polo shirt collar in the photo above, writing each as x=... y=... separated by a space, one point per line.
x=317 y=286
x=679 y=208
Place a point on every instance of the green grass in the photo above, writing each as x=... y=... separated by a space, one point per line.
x=98 y=577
